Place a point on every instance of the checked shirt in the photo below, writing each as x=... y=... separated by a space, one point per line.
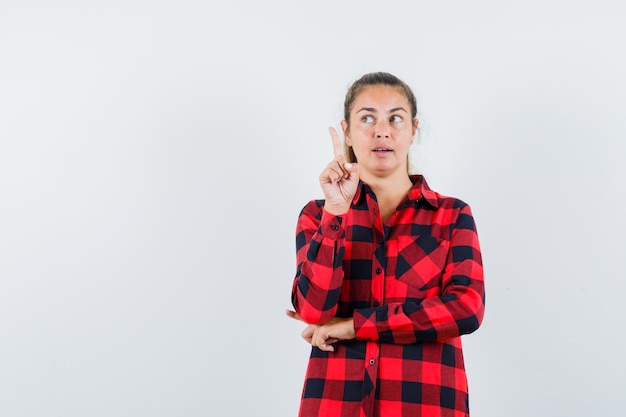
x=413 y=285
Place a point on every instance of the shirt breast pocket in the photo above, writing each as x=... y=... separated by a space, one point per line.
x=421 y=261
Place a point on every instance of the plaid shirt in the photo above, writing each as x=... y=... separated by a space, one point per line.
x=413 y=284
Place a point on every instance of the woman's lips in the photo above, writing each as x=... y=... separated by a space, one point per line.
x=381 y=151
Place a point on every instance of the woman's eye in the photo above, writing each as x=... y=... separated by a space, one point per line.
x=395 y=119
x=367 y=119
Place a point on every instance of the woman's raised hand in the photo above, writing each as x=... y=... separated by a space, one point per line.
x=339 y=180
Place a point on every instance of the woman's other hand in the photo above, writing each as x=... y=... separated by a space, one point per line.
x=323 y=336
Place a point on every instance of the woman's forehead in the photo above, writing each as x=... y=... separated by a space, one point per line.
x=380 y=97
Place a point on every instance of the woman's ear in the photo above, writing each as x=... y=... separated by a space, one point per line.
x=346 y=132
x=415 y=123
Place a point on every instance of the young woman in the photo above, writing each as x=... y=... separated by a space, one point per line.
x=389 y=272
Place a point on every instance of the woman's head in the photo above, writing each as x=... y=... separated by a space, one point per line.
x=379 y=110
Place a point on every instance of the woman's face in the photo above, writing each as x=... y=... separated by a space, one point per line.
x=381 y=130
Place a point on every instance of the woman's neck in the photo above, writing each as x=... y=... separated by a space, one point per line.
x=389 y=191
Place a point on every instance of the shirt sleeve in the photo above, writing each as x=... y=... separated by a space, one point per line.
x=319 y=255
x=458 y=310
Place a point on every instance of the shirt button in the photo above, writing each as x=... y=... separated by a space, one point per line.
x=376 y=304
x=380 y=241
x=372 y=362
x=378 y=270
x=334 y=227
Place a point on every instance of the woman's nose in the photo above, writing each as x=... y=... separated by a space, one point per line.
x=382 y=129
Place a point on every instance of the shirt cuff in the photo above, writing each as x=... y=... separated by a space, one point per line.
x=331 y=225
x=365 y=324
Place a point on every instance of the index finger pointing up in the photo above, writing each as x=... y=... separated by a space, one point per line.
x=337 y=146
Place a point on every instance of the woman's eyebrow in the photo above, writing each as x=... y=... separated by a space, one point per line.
x=373 y=110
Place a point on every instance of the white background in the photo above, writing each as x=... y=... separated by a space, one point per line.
x=154 y=156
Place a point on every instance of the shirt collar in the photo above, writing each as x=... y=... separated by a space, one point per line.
x=420 y=190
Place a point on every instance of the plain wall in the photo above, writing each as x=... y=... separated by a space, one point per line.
x=154 y=156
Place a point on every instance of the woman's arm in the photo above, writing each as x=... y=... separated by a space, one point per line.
x=319 y=256
x=320 y=240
